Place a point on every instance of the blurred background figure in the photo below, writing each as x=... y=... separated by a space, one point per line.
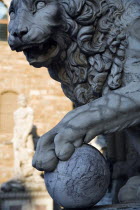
x=23 y=139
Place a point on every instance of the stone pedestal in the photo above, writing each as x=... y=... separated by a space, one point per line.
x=130 y=206
x=25 y=201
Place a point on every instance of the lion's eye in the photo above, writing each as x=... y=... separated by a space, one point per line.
x=12 y=15
x=40 y=5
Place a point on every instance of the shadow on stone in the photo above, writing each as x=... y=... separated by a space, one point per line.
x=35 y=136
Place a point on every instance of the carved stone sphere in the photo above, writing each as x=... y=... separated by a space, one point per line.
x=81 y=181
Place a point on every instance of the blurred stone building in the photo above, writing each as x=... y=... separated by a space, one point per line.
x=17 y=77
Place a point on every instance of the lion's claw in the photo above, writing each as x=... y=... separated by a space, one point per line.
x=45 y=158
x=44 y=162
x=63 y=147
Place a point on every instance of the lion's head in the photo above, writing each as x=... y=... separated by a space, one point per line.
x=33 y=26
x=44 y=28
x=77 y=39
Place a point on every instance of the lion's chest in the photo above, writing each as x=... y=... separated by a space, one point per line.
x=79 y=95
x=79 y=92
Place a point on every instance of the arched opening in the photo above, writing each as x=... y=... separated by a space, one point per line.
x=8 y=104
x=3 y=21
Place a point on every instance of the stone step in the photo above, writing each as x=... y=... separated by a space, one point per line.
x=130 y=206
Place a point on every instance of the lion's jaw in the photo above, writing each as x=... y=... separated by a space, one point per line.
x=33 y=31
x=42 y=54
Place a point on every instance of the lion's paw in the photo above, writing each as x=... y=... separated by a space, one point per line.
x=45 y=158
x=53 y=147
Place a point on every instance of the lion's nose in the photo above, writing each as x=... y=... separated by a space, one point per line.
x=20 y=32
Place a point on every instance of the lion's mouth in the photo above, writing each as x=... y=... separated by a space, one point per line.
x=40 y=54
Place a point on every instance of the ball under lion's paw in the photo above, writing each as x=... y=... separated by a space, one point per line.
x=81 y=181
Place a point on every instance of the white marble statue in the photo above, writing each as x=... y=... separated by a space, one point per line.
x=22 y=139
x=24 y=147
x=25 y=176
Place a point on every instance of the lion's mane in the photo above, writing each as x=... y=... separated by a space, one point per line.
x=96 y=53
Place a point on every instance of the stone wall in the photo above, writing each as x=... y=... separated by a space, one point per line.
x=44 y=96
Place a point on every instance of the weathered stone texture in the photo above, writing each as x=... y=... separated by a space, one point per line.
x=44 y=96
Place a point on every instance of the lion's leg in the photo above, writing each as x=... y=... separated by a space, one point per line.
x=108 y=114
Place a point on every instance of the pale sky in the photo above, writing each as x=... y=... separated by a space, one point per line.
x=3 y=10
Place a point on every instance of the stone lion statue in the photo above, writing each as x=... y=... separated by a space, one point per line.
x=92 y=47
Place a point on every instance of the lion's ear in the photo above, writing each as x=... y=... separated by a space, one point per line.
x=72 y=7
